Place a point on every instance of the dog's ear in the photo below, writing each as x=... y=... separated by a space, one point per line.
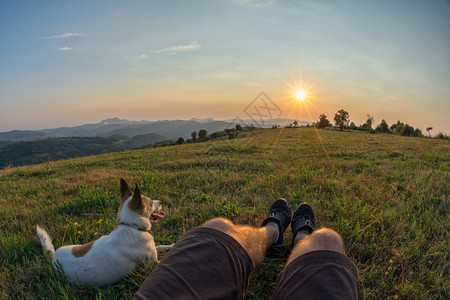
x=136 y=202
x=125 y=191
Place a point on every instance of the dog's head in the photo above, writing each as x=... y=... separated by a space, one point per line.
x=138 y=207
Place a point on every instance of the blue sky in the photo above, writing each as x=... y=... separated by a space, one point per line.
x=65 y=63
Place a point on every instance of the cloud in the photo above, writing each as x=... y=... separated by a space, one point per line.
x=64 y=49
x=62 y=36
x=135 y=58
x=182 y=48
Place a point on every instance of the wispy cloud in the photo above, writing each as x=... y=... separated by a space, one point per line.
x=136 y=58
x=181 y=48
x=63 y=36
x=64 y=49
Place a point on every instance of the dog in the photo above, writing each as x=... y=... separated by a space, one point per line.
x=112 y=257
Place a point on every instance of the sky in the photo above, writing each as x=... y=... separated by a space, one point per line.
x=66 y=63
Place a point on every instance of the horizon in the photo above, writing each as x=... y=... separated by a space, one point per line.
x=243 y=122
x=68 y=64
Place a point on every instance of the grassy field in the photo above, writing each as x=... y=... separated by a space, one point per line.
x=388 y=196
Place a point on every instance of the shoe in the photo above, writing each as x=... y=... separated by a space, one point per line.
x=280 y=213
x=303 y=219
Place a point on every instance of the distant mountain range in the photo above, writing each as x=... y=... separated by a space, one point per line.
x=115 y=126
x=22 y=147
x=170 y=129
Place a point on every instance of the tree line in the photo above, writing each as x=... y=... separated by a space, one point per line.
x=342 y=121
x=202 y=135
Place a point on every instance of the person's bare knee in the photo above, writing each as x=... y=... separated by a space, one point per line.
x=226 y=226
x=253 y=240
x=327 y=239
x=321 y=239
x=220 y=224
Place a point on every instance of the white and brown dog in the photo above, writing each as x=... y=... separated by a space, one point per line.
x=112 y=257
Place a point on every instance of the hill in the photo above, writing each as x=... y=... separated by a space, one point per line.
x=171 y=129
x=388 y=196
x=51 y=149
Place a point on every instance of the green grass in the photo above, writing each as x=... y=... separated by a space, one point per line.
x=388 y=196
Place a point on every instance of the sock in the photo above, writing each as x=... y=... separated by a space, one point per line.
x=278 y=229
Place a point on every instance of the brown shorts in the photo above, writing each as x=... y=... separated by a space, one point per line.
x=318 y=275
x=204 y=264
x=209 y=264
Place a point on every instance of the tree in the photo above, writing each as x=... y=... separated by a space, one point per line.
x=383 y=127
x=180 y=141
x=202 y=134
x=239 y=127
x=323 y=121
x=369 y=122
x=341 y=119
x=429 y=129
x=194 y=136
x=393 y=127
x=405 y=130
x=295 y=124
x=417 y=133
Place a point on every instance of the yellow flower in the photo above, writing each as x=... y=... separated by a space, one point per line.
x=385 y=273
x=396 y=296
x=99 y=221
x=95 y=233
x=79 y=232
x=75 y=224
x=390 y=268
x=391 y=261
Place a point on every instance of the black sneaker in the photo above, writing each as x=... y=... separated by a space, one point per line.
x=303 y=219
x=280 y=213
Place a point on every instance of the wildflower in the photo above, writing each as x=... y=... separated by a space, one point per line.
x=390 y=268
x=79 y=232
x=391 y=261
x=385 y=273
x=99 y=221
x=95 y=233
x=75 y=224
x=396 y=296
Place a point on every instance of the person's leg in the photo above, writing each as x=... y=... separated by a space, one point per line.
x=317 y=266
x=254 y=240
x=217 y=254
x=322 y=239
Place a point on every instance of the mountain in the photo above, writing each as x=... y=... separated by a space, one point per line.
x=21 y=135
x=172 y=129
x=114 y=126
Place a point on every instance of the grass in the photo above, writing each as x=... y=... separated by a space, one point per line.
x=388 y=196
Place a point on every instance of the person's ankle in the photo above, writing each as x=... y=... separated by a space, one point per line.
x=302 y=234
x=277 y=235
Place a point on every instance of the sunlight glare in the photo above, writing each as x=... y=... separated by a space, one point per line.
x=300 y=95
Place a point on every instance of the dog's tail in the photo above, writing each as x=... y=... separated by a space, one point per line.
x=46 y=241
x=164 y=247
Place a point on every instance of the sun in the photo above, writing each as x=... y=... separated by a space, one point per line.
x=300 y=95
